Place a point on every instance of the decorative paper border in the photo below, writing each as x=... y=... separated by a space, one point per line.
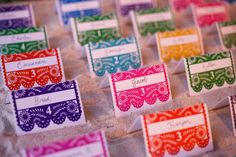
x=28 y=78
x=136 y=97
x=123 y=62
x=213 y=78
x=180 y=5
x=172 y=143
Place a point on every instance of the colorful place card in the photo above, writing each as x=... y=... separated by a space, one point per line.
x=180 y=132
x=46 y=108
x=16 y=16
x=139 y=89
x=178 y=44
x=206 y=14
x=23 y=40
x=210 y=72
x=184 y=4
x=149 y=21
x=125 y=6
x=108 y=57
x=227 y=33
x=95 y=28
x=232 y=104
x=37 y=68
x=77 y=8
x=90 y=145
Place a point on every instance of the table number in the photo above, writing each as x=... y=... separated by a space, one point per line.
x=108 y=57
x=184 y=132
x=95 y=29
x=125 y=6
x=175 y=45
x=16 y=16
x=37 y=68
x=227 y=34
x=210 y=13
x=46 y=108
x=210 y=72
x=149 y=21
x=77 y=8
x=139 y=89
x=23 y=40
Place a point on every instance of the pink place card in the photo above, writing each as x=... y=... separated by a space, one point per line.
x=89 y=145
x=184 y=4
x=139 y=89
x=206 y=14
x=182 y=132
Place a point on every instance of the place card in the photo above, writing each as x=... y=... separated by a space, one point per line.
x=70 y=9
x=179 y=5
x=94 y=29
x=178 y=44
x=30 y=69
x=149 y=21
x=139 y=89
x=232 y=104
x=210 y=72
x=206 y=14
x=184 y=132
x=88 y=145
x=23 y=40
x=125 y=6
x=45 y=108
x=227 y=34
x=108 y=57
x=16 y=16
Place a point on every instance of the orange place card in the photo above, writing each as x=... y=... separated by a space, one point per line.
x=178 y=44
x=180 y=132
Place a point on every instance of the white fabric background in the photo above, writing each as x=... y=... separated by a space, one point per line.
x=97 y=101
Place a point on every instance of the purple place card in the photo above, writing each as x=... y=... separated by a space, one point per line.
x=89 y=145
x=232 y=104
x=16 y=16
x=125 y=6
x=46 y=108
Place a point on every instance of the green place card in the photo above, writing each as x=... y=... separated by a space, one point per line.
x=150 y=21
x=23 y=40
x=95 y=28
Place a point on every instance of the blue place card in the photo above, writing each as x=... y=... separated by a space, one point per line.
x=46 y=108
x=77 y=8
x=111 y=56
x=16 y=16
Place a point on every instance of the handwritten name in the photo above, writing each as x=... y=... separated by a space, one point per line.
x=173 y=125
x=21 y=65
x=20 y=38
x=38 y=100
x=208 y=65
x=114 y=51
x=136 y=82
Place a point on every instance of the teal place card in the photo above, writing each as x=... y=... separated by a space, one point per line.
x=150 y=21
x=227 y=33
x=23 y=40
x=108 y=57
x=95 y=28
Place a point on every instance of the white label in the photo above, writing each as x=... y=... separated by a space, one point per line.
x=179 y=40
x=84 y=5
x=211 y=65
x=18 y=38
x=228 y=30
x=133 y=2
x=154 y=17
x=210 y=10
x=31 y=63
x=45 y=99
x=14 y=15
x=140 y=81
x=175 y=124
x=104 y=24
x=88 y=150
x=114 y=51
